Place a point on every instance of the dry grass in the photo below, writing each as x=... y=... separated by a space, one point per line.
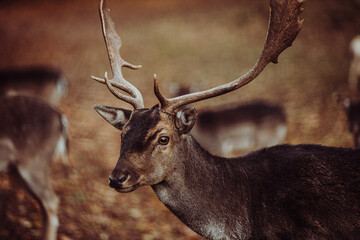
x=203 y=42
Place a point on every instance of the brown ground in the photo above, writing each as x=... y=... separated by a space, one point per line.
x=207 y=42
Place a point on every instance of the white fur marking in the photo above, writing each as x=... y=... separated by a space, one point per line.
x=215 y=231
x=61 y=147
x=7 y=150
x=355 y=46
x=61 y=150
x=54 y=221
x=12 y=93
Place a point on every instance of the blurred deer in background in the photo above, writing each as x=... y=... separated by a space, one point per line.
x=354 y=71
x=352 y=111
x=352 y=107
x=227 y=130
x=233 y=128
x=32 y=135
x=42 y=82
x=281 y=192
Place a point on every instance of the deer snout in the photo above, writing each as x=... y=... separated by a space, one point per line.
x=125 y=180
x=118 y=182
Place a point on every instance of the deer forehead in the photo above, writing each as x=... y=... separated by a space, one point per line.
x=148 y=120
x=143 y=126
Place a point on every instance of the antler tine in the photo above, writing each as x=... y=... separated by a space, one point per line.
x=113 y=45
x=284 y=26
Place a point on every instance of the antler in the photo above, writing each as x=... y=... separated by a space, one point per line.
x=283 y=28
x=113 y=45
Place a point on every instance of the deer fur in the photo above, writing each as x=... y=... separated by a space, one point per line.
x=32 y=135
x=235 y=128
x=227 y=130
x=281 y=192
x=43 y=82
x=352 y=110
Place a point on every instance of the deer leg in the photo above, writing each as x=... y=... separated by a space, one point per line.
x=6 y=154
x=357 y=139
x=39 y=185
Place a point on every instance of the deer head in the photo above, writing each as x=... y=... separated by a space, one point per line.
x=151 y=137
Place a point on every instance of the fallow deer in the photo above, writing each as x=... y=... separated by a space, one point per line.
x=227 y=130
x=280 y=192
x=352 y=110
x=32 y=135
x=43 y=82
x=233 y=128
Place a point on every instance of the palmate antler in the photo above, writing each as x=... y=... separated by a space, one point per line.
x=284 y=26
x=113 y=45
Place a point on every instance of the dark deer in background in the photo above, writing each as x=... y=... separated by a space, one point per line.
x=351 y=104
x=352 y=110
x=226 y=130
x=233 y=128
x=281 y=192
x=42 y=82
x=32 y=135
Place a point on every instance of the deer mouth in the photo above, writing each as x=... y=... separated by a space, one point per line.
x=126 y=188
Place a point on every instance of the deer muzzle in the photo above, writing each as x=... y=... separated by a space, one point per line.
x=125 y=181
x=118 y=182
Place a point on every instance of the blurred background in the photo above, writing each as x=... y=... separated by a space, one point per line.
x=184 y=42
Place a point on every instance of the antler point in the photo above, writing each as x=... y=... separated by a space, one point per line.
x=101 y=80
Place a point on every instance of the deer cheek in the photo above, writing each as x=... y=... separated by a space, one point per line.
x=158 y=174
x=159 y=166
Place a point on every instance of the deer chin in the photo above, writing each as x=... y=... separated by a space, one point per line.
x=129 y=188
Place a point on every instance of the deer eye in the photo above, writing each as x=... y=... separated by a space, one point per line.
x=164 y=140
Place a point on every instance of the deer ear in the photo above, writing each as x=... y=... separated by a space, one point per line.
x=185 y=120
x=115 y=116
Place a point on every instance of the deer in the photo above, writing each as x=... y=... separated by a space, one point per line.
x=234 y=128
x=354 y=70
x=226 y=130
x=352 y=111
x=33 y=134
x=43 y=82
x=285 y=191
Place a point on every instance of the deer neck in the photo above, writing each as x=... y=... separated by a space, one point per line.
x=203 y=181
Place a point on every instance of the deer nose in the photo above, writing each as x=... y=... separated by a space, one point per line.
x=119 y=181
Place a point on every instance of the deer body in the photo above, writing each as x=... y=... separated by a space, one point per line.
x=226 y=130
x=291 y=192
x=32 y=136
x=232 y=128
x=280 y=192
x=352 y=109
x=267 y=196
x=41 y=82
